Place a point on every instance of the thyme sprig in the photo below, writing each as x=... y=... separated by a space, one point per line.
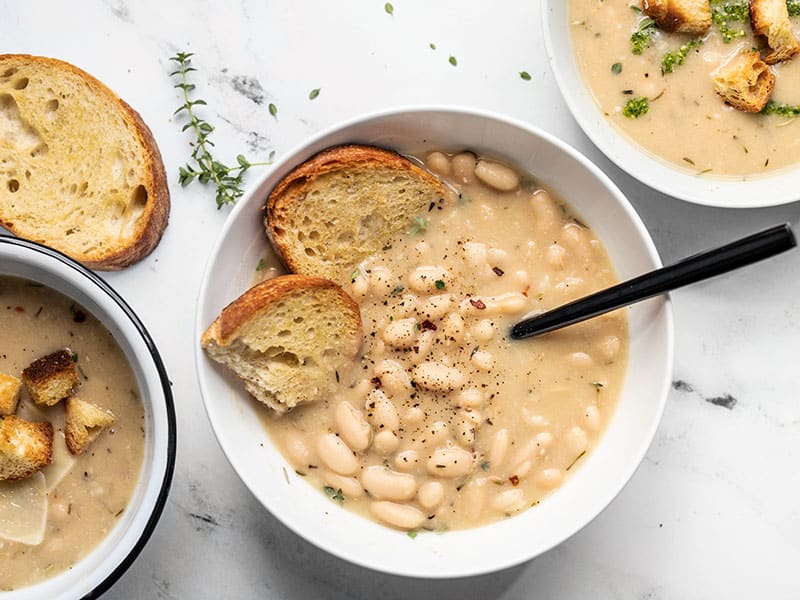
x=204 y=167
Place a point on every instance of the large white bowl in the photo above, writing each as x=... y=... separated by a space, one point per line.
x=310 y=513
x=778 y=187
x=104 y=565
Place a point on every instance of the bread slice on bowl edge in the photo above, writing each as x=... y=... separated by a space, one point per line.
x=287 y=339
x=80 y=170
x=344 y=204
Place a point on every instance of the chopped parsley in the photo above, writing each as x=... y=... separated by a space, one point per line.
x=784 y=110
x=675 y=58
x=262 y=264
x=725 y=12
x=354 y=275
x=616 y=68
x=641 y=38
x=412 y=534
x=335 y=494
x=636 y=107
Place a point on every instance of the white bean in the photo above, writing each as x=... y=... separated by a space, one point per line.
x=592 y=418
x=437 y=376
x=454 y=327
x=438 y=162
x=436 y=307
x=381 y=412
x=609 y=347
x=581 y=360
x=483 y=330
x=406 y=461
x=336 y=455
x=350 y=486
x=497 y=176
x=464 y=167
x=549 y=478
x=576 y=440
x=423 y=345
x=384 y=484
x=465 y=432
x=476 y=255
x=401 y=516
x=413 y=415
x=509 y=501
x=546 y=212
x=544 y=440
x=394 y=379
x=401 y=333
x=360 y=285
x=428 y=279
x=298 y=451
x=385 y=442
x=533 y=419
x=352 y=426
x=470 y=398
x=555 y=256
x=430 y=494
x=381 y=281
x=499 y=448
x=482 y=360
x=450 y=461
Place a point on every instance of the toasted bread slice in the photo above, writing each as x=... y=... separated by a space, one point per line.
x=84 y=423
x=51 y=378
x=286 y=338
x=79 y=169
x=345 y=203
x=770 y=18
x=9 y=394
x=680 y=16
x=25 y=447
x=745 y=82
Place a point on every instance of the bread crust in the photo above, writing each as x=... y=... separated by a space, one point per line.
x=770 y=19
x=25 y=447
x=745 y=82
x=287 y=196
x=49 y=379
x=680 y=16
x=153 y=221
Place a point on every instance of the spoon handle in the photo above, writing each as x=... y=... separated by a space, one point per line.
x=704 y=265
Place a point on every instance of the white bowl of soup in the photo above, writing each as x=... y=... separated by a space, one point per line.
x=81 y=521
x=655 y=112
x=534 y=475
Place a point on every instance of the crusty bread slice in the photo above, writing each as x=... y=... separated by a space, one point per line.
x=84 y=422
x=680 y=16
x=49 y=379
x=345 y=203
x=770 y=18
x=287 y=338
x=79 y=168
x=25 y=447
x=745 y=82
x=9 y=394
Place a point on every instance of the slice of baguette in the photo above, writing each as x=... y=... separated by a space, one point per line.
x=25 y=447
x=745 y=82
x=680 y=16
x=79 y=168
x=770 y=19
x=287 y=338
x=345 y=203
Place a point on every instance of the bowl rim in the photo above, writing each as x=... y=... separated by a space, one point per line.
x=773 y=188
x=169 y=405
x=301 y=152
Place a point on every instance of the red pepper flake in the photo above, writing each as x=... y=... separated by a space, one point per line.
x=525 y=291
x=514 y=480
x=427 y=325
x=376 y=381
x=19 y=309
x=498 y=271
x=477 y=303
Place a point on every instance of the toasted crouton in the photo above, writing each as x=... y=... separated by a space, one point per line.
x=9 y=393
x=680 y=16
x=770 y=18
x=84 y=423
x=51 y=378
x=25 y=447
x=745 y=82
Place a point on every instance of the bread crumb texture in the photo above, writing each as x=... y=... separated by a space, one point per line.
x=51 y=378
x=79 y=169
x=25 y=447
x=84 y=423
x=9 y=394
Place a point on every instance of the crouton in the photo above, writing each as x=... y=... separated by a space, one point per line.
x=680 y=16
x=9 y=394
x=84 y=423
x=25 y=447
x=51 y=378
x=745 y=82
x=770 y=18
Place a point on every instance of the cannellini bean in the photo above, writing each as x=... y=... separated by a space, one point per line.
x=394 y=379
x=430 y=494
x=522 y=277
x=423 y=279
x=454 y=326
x=413 y=416
x=545 y=210
x=556 y=255
x=592 y=418
x=437 y=376
x=609 y=347
x=381 y=281
x=401 y=333
x=533 y=419
x=482 y=360
x=381 y=412
x=499 y=448
x=406 y=461
x=385 y=442
x=401 y=516
x=581 y=360
x=549 y=478
x=476 y=255
x=438 y=162
x=576 y=440
x=384 y=484
x=470 y=398
x=350 y=486
x=523 y=453
x=298 y=451
x=523 y=468
x=450 y=461
x=436 y=307
x=483 y=330
x=423 y=345
x=352 y=426
x=474 y=496
x=362 y=388
x=465 y=432
x=544 y=440
x=497 y=176
x=336 y=455
x=497 y=257
x=360 y=285
x=464 y=167
x=509 y=501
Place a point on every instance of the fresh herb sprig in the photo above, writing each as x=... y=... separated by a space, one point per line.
x=203 y=166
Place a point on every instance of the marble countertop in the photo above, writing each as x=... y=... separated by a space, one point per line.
x=713 y=511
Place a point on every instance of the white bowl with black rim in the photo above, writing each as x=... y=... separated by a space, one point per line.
x=105 y=564
x=311 y=514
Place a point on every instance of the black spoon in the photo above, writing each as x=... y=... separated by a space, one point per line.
x=717 y=261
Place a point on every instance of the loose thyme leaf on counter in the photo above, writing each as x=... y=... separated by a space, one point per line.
x=203 y=166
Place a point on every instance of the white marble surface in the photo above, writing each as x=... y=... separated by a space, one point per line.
x=714 y=510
